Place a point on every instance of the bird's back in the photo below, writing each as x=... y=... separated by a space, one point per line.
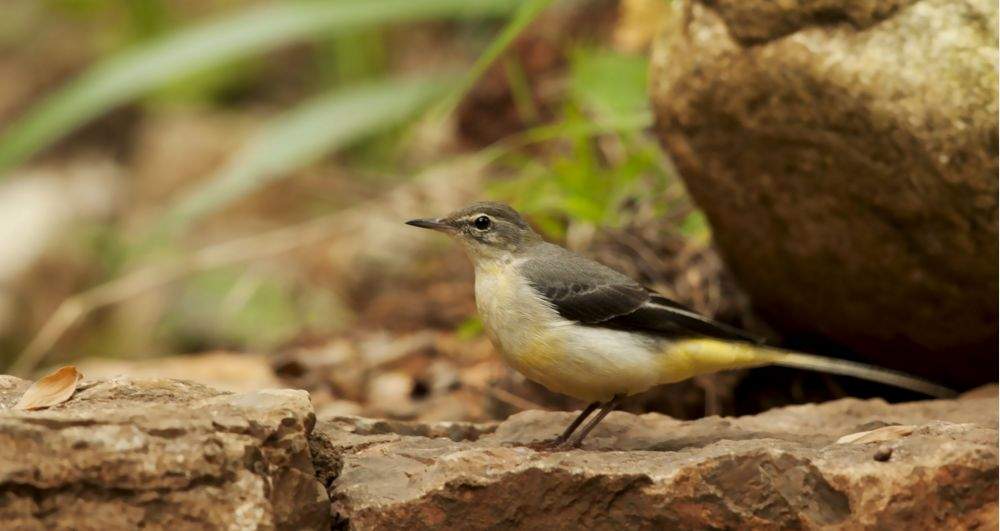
x=593 y=294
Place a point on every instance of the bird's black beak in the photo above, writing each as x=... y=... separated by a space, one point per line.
x=433 y=224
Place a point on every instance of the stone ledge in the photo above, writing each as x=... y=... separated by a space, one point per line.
x=780 y=469
x=127 y=453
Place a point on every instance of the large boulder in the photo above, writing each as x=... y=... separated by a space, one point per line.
x=925 y=465
x=161 y=454
x=845 y=154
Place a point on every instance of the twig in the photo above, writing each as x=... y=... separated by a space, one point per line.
x=71 y=310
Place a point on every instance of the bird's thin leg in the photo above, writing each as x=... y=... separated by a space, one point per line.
x=575 y=424
x=608 y=407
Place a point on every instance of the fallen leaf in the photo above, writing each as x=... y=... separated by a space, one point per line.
x=52 y=389
x=887 y=433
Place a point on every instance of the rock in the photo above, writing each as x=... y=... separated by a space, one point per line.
x=845 y=154
x=159 y=453
x=780 y=469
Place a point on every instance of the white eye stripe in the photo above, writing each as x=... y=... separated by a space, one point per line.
x=473 y=217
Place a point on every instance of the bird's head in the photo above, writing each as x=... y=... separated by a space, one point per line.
x=487 y=231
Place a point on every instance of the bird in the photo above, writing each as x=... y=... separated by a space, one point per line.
x=582 y=329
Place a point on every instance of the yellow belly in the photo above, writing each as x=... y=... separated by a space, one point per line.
x=543 y=362
x=588 y=363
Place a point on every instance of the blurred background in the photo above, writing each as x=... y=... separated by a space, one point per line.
x=216 y=189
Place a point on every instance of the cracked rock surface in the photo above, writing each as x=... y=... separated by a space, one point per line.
x=159 y=453
x=920 y=465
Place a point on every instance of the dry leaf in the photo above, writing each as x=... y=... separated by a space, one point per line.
x=50 y=390
x=887 y=433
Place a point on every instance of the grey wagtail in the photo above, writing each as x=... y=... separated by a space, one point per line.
x=585 y=330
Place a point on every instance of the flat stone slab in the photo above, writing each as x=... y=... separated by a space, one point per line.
x=159 y=453
x=921 y=465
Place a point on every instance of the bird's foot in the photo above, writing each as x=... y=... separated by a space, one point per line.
x=547 y=445
x=556 y=444
x=573 y=443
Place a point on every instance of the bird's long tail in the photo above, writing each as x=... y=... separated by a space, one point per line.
x=690 y=357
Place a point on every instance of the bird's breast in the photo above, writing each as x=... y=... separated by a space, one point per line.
x=567 y=357
x=521 y=325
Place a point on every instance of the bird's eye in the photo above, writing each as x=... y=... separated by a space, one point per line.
x=482 y=222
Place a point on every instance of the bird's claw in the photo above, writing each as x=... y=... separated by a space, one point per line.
x=556 y=444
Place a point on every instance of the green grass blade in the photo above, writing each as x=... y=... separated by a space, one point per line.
x=525 y=15
x=301 y=136
x=134 y=72
x=609 y=84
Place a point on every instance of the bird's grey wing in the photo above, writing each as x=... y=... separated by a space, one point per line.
x=591 y=293
x=581 y=289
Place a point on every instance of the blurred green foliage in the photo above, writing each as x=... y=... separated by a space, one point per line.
x=584 y=166
x=303 y=134
x=154 y=64
x=609 y=84
x=526 y=12
x=695 y=227
x=247 y=309
x=353 y=56
x=605 y=104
